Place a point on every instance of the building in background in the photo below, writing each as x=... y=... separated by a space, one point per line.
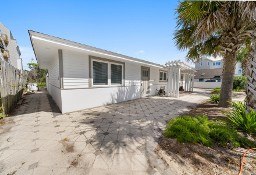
x=10 y=51
x=210 y=70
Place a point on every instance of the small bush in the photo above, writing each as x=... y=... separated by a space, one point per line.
x=241 y=119
x=216 y=91
x=215 y=98
x=223 y=136
x=41 y=84
x=189 y=129
x=239 y=82
x=200 y=130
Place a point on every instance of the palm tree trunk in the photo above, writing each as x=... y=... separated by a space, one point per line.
x=227 y=79
x=251 y=85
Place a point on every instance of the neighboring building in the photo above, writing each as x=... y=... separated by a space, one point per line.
x=210 y=69
x=10 y=51
x=81 y=76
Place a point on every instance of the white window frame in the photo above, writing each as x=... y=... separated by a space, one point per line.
x=109 y=73
x=164 y=72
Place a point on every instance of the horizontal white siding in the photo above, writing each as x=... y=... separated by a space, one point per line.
x=70 y=83
x=53 y=71
x=75 y=70
x=132 y=74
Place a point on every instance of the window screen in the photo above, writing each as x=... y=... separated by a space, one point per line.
x=116 y=74
x=100 y=73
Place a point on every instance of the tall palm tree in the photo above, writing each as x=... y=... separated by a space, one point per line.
x=215 y=28
x=243 y=57
x=251 y=87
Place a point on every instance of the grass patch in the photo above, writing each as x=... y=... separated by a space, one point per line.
x=215 y=98
x=209 y=133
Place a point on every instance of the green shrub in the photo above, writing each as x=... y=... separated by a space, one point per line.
x=239 y=82
x=41 y=84
x=241 y=119
x=215 y=98
x=189 y=129
x=224 y=136
x=216 y=91
x=200 y=130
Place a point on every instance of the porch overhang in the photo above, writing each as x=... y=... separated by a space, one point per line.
x=175 y=70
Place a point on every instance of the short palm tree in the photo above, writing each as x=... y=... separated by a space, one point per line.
x=215 y=28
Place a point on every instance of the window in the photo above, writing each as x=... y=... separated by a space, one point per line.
x=107 y=73
x=201 y=63
x=201 y=80
x=214 y=63
x=218 y=63
x=116 y=74
x=100 y=73
x=163 y=76
x=208 y=63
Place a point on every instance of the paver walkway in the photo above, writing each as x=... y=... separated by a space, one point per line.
x=115 y=139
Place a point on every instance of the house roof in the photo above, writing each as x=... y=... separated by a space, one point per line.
x=75 y=45
x=208 y=73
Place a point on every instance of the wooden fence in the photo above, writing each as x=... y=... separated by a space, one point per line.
x=12 y=84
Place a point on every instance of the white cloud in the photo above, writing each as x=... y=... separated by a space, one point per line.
x=27 y=54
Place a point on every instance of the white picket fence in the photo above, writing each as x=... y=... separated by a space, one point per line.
x=12 y=83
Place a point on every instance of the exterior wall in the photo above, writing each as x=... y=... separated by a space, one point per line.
x=207 y=85
x=56 y=95
x=77 y=94
x=12 y=47
x=53 y=82
x=205 y=64
x=75 y=70
x=53 y=71
x=78 y=99
x=156 y=84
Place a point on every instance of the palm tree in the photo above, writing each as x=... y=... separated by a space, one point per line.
x=215 y=28
x=243 y=57
x=251 y=87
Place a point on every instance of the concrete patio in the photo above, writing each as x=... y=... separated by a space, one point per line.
x=114 y=139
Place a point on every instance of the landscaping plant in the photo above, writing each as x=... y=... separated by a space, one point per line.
x=216 y=91
x=215 y=98
x=200 y=130
x=239 y=83
x=241 y=119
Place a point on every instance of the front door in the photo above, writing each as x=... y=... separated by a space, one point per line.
x=145 y=74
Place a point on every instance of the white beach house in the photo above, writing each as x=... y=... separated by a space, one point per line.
x=81 y=76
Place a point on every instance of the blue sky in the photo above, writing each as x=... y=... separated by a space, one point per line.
x=139 y=28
